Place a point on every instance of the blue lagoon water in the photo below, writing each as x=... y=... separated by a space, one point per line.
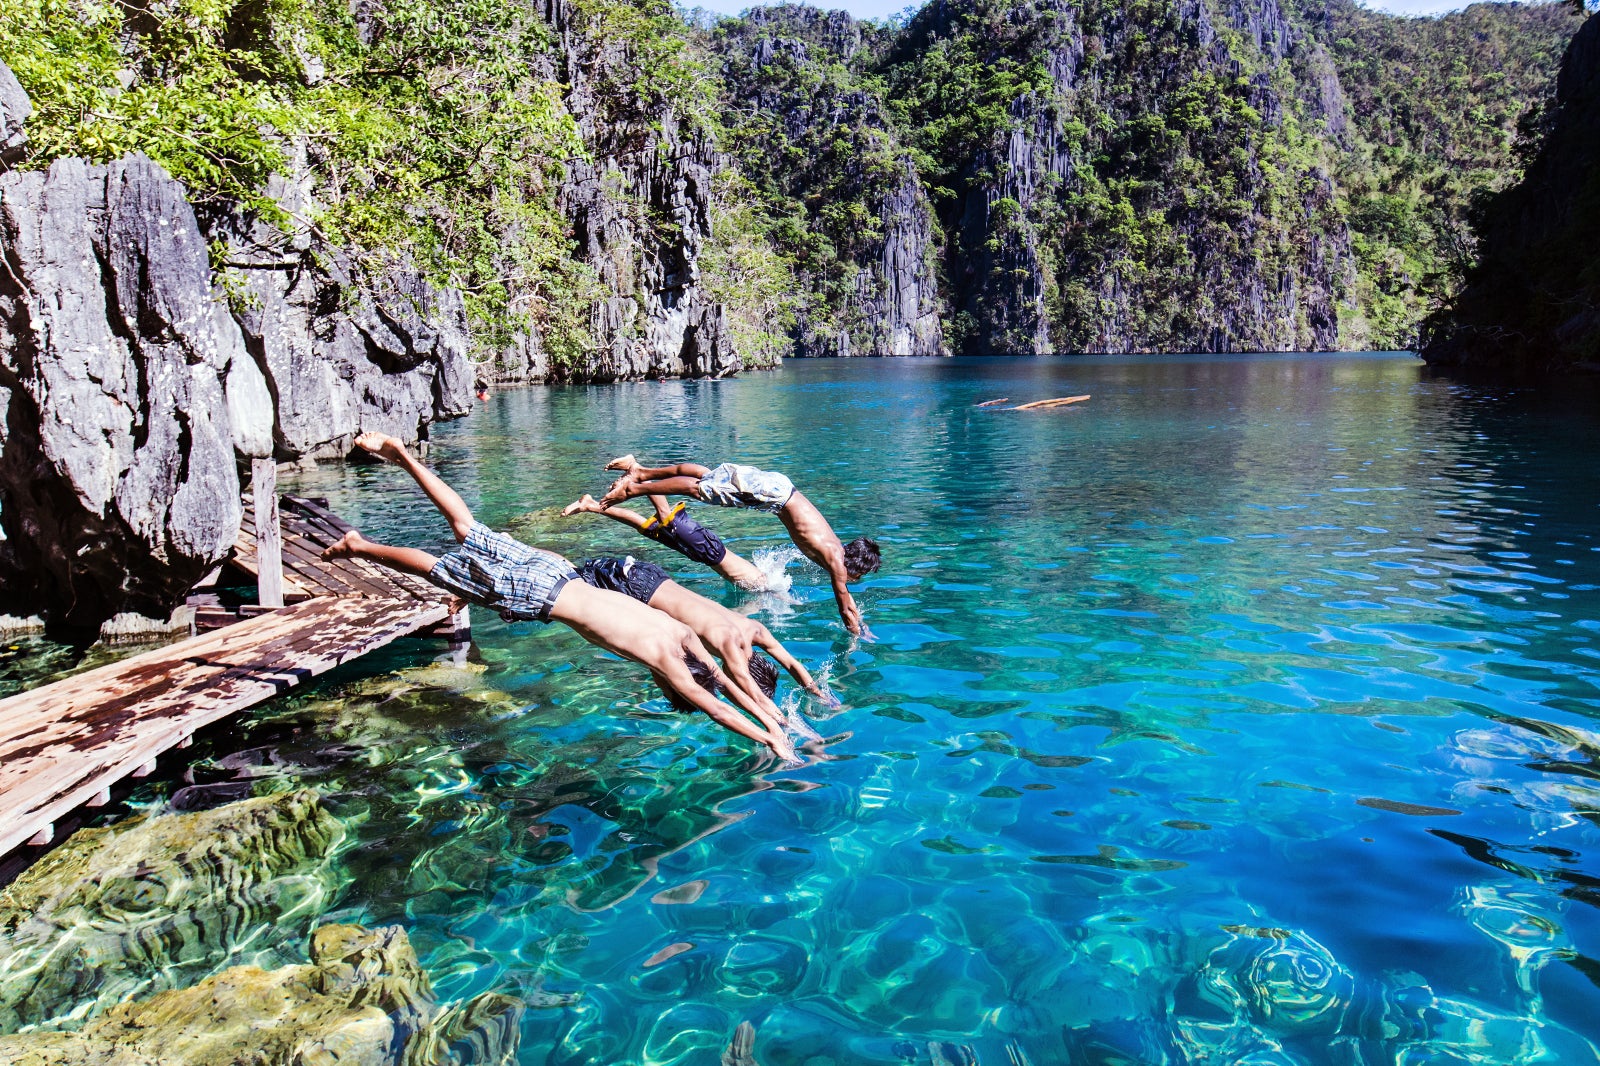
x=1247 y=713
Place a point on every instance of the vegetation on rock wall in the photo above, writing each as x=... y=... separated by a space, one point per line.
x=1531 y=303
x=1048 y=174
x=1436 y=106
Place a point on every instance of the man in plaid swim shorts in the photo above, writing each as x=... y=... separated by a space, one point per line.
x=523 y=583
x=733 y=485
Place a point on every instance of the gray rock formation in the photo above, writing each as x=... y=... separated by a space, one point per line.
x=641 y=211
x=127 y=393
x=364 y=1000
x=1531 y=305
x=881 y=295
x=157 y=902
x=15 y=107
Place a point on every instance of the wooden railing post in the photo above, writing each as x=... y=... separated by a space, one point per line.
x=269 y=535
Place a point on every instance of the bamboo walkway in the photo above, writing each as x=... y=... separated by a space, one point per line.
x=64 y=745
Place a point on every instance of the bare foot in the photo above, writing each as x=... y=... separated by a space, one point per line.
x=617 y=492
x=382 y=445
x=345 y=547
x=585 y=502
x=625 y=463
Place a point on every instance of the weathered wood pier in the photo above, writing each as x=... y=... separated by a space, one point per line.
x=64 y=745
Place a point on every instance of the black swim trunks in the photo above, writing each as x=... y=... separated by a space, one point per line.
x=686 y=537
x=629 y=576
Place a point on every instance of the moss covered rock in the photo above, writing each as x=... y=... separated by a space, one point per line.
x=363 y=1001
x=158 y=902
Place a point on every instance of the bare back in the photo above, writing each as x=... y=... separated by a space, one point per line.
x=622 y=625
x=723 y=631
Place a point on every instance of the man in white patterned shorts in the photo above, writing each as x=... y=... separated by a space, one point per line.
x=732 y=485
x=523 y=583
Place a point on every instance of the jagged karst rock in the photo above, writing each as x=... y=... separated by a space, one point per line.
x=363 y=1000
x=883 y=296
x=155 y=902
x=640 y=208
x=1532 y=304
x=347 y=346
x=15 y=107
x=1276 y=282
x=127 y=393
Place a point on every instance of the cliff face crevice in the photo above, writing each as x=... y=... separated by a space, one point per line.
x=1531 y=305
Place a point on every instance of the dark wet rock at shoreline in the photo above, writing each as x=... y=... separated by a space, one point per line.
x=156 y=902
x=363 y=1000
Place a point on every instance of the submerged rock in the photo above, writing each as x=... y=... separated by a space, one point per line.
x=156 y=902
x=364 y=999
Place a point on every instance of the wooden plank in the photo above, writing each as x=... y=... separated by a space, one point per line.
x=63 y=745
x=269 y=535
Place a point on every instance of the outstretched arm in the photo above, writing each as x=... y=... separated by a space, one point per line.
x=781 y=655
x=449 y=502
x=746 y=698
x=679 y=681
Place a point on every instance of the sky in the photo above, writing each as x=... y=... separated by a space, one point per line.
x=877 y=9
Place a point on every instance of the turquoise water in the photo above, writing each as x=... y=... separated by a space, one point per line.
x=1245 y=714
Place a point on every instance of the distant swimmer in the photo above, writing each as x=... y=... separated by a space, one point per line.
x=732 y=637
x=732 y=485
x=526 y=584
x=674 y=529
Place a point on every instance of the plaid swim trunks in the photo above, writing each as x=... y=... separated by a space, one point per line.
x=732 y=485
x=502 y=573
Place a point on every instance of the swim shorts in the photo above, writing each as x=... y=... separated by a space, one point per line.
x=629 y=576
x=731 y=485
x=502 y=573
x=686 y=537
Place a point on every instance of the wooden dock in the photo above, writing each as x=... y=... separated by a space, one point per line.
x=64 y=745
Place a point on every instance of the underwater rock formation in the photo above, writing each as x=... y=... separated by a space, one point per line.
x=364 y=1000
x=156 y=902
x=126 y=390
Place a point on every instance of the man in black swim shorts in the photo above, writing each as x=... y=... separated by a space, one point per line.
x=672 y=527
x=524 y=583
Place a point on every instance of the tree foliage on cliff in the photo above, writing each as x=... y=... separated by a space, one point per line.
x=1436 y=105
x=426 y=129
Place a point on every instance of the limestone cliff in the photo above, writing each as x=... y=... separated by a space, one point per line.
x=127 y=393
x=822 y=145
x=1532 y=304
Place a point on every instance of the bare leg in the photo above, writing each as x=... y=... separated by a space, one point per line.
x=449 y=502
x=587 y=504
x=663 y=508
x=656 y=473
x=627 y=488
x=406 y=560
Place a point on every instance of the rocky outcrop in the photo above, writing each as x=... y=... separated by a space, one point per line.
x=15 y=107
x=127 y=393
x=155 y=903
x=640 y=209
x=130 y=393
x=1162 y=269
x=823 y=139
x=1532 y=304
x=363 y=1000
